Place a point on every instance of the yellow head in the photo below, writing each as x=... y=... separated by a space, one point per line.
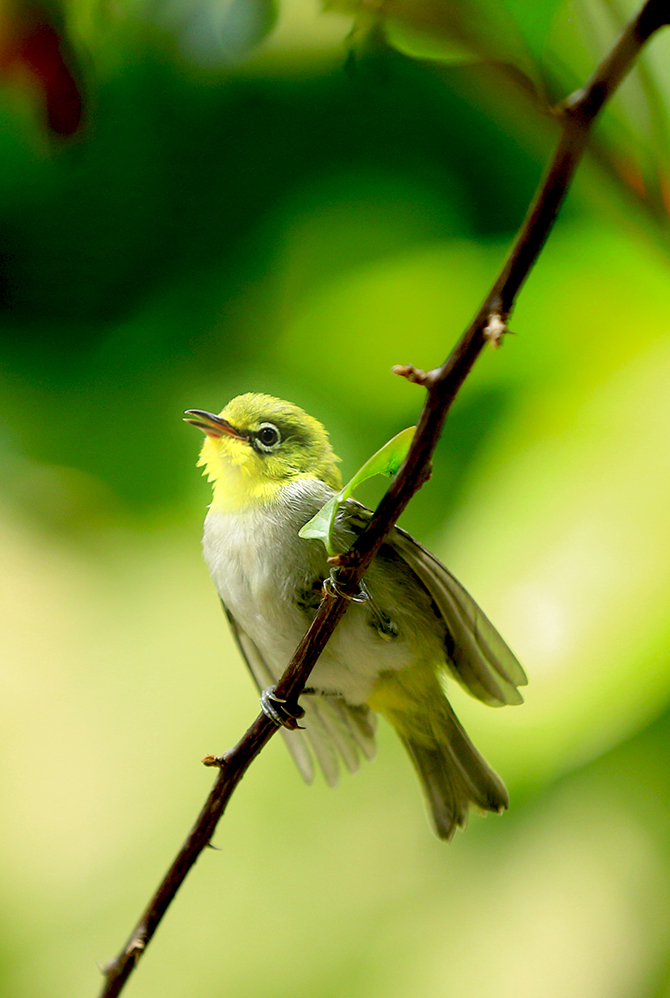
x=257 y=444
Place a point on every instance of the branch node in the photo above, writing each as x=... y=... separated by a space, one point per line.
x=215 y=760
x=571 y=105
x=425 y=474
x=135 y=947
x=495 y=329
x=347 y=560
x=415 y=375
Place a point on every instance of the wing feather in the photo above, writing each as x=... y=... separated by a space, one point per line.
x=480 y=659
x=361 y=723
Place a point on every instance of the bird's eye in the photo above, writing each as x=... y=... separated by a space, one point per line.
x=268 y=436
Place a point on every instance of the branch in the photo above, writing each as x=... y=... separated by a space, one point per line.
x=577 y=115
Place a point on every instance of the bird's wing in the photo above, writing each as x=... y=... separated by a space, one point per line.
x=331 y=725
x=478 y=656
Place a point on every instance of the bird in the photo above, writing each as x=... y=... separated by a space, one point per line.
x=413 y=629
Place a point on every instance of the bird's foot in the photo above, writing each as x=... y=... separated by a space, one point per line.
x=279 y=711
x=331 y=588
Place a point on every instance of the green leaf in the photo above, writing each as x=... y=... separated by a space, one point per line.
x=319 y=527
x=386 y=461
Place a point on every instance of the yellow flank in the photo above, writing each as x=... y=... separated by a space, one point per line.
x=410 y=700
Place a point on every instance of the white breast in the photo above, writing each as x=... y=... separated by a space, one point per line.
x=258 y=563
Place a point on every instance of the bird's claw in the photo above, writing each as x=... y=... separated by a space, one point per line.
x=331 y=588
x=275 y=708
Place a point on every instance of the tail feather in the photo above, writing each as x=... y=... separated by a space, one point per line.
x=453 y=774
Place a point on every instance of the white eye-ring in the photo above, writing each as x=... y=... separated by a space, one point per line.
x=268 y=437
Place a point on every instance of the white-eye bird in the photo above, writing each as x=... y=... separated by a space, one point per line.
x=272 y=468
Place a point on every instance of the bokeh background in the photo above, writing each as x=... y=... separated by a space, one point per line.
x=204 y=197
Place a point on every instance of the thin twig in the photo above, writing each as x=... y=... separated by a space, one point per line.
x=577 y=114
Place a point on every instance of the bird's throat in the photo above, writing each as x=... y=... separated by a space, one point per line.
x=237 y=488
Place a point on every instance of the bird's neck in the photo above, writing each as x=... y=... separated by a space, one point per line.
x=236 y=491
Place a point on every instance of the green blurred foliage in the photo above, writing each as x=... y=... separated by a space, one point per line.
x=256 y=201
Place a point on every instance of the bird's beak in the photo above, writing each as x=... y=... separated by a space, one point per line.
x=213 y=426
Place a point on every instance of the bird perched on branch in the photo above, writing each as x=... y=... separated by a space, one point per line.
x=272 y=469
